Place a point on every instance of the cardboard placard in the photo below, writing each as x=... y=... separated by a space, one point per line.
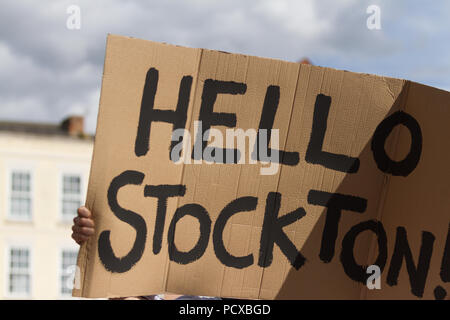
x=343 y=171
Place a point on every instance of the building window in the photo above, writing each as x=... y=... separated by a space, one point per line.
x=21 y=201
x=71 y=196
x=19 y=272
x=68 y=265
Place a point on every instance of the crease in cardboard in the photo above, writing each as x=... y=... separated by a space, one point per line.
x=384 y=190
x=188 y=127
x=282 y=146
x=235 y=192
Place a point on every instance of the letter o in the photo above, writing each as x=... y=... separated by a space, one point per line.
x=351 y=268
x=200 y=213
x=384 y=129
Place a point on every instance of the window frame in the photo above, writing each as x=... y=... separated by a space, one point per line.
x=61 y=271
x=8 y=248
x=61 y=217
x=9 y=193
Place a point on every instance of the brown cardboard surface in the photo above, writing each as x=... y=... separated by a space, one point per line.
x=116 y=130
x=214 y=186
x=420 y=202
x=358 y=104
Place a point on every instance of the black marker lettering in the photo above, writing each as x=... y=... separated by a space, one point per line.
x=200 y=213
x=445 y=266
x=384 y=163
x=272 y=232
x=314 y=153
x=351 y=268
x=335 y=203
x=208 y=117
x=162 y=192
x=149 y=114
x=269 y=111
x=417 y=275
x=105 y=251
x=243 y=204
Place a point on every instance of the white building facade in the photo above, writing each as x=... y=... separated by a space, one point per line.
x=44 y=171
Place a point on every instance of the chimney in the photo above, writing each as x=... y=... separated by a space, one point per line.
x=73 y=125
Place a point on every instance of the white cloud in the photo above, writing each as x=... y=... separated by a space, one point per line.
x=48 y=71
x=300 y=17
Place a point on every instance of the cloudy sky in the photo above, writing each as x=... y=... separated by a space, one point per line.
x=48 y=71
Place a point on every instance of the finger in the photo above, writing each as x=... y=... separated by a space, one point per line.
x=85 y=231
x=79 y=238
x=83 y=238
x=76 y=238
x=84 y=212
x=85 y=222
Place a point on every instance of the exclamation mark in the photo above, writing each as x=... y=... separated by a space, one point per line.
x=440 y=293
